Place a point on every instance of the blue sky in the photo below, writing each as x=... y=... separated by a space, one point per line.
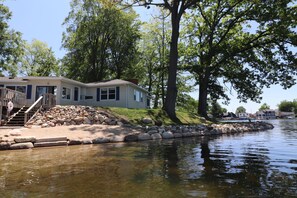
x=42 y=20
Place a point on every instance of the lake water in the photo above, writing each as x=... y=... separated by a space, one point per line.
x=258 y=164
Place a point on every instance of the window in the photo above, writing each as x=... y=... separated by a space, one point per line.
x=66 y=93
x=17 y=88
x=108 y=93
x=111 y=94
x=21 y=89
x=138 y=96
x=104 y=94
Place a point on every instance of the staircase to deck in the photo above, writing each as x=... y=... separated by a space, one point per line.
x=18 y=118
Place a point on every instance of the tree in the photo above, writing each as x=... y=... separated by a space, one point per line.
x=186 y=103
x=216 y=110
x=176 y=8
x=264 y=107
x=11 y=44
x=39 y=60
x=154 y=49
x=242 y=44
x=240 y=109
x=287 y=106
x=100 y=39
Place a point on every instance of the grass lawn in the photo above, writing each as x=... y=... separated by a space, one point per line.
x=135 y=116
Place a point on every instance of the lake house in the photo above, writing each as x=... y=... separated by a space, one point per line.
x=30 y=94
x=111 y=93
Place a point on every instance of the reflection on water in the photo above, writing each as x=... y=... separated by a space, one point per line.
x=261 y=164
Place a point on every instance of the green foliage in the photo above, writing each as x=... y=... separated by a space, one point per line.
x=11 y=44
x=216 y=110
x=39 y=60
x=186 y=103
x=101 y=41
x=240 y=109
x=244 y=45
x=135 y=116
x=288 y=106
x=154 y=50
x=264 y=107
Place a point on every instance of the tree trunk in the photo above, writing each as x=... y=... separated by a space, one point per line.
x=202 y=105
x=203 y=92
x=171 y=94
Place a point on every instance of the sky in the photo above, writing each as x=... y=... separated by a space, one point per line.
x=42 y=20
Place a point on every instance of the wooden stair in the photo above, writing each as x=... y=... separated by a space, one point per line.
x=18 y=118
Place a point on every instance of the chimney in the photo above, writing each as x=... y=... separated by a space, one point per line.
x=135 y=81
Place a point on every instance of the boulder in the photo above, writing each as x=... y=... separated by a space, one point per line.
x=144 y=136
x=74 y=142
x=24 y=145
x=22 y=139
x=177 y=135
x=44 y=125
x=100 y=140
x=4 y=145
x=87 y=120
x=117 y=138
x=167 y=135
x=87 y=141
x=156 y=136
x=131 y=138
x=147 y=121
x=152 y=132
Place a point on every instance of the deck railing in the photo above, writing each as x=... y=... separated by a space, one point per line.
x=18 y=99
x=33 y=109
x=45 y=101
x=49 y=100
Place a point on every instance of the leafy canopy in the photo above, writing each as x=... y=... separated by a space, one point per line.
x=243 y=45
x=100 y=40
x=264 y=107
x=11 y=44
x=240 y=109
x=38 y=60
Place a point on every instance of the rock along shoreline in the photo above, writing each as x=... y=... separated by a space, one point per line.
x=117 y=130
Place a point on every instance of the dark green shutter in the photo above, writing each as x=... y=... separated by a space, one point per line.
x=98 y=94
x=117 y=93
x=29 y=91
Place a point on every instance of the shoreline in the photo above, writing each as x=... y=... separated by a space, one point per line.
x=37 y=136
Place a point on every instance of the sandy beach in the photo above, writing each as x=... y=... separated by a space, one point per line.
x=84 y=131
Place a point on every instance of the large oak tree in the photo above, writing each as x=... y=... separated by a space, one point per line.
x=177 y=8
x=100 y=40
x=242 y=44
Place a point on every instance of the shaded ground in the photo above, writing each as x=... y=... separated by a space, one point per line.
x=72 y=132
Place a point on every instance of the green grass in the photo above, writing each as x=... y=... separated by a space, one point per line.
x=135 y=116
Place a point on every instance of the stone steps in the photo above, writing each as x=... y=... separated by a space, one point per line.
x=47 y=144
x=51 y=139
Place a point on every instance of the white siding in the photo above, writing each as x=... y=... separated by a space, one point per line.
x=106 y=103
x=71 y=100
x=130 y=99
x=126 y=93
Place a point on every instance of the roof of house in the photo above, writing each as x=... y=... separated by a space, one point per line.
x=106 y=83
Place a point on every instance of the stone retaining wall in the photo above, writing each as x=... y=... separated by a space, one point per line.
x=76 y=115
x=145 y=133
